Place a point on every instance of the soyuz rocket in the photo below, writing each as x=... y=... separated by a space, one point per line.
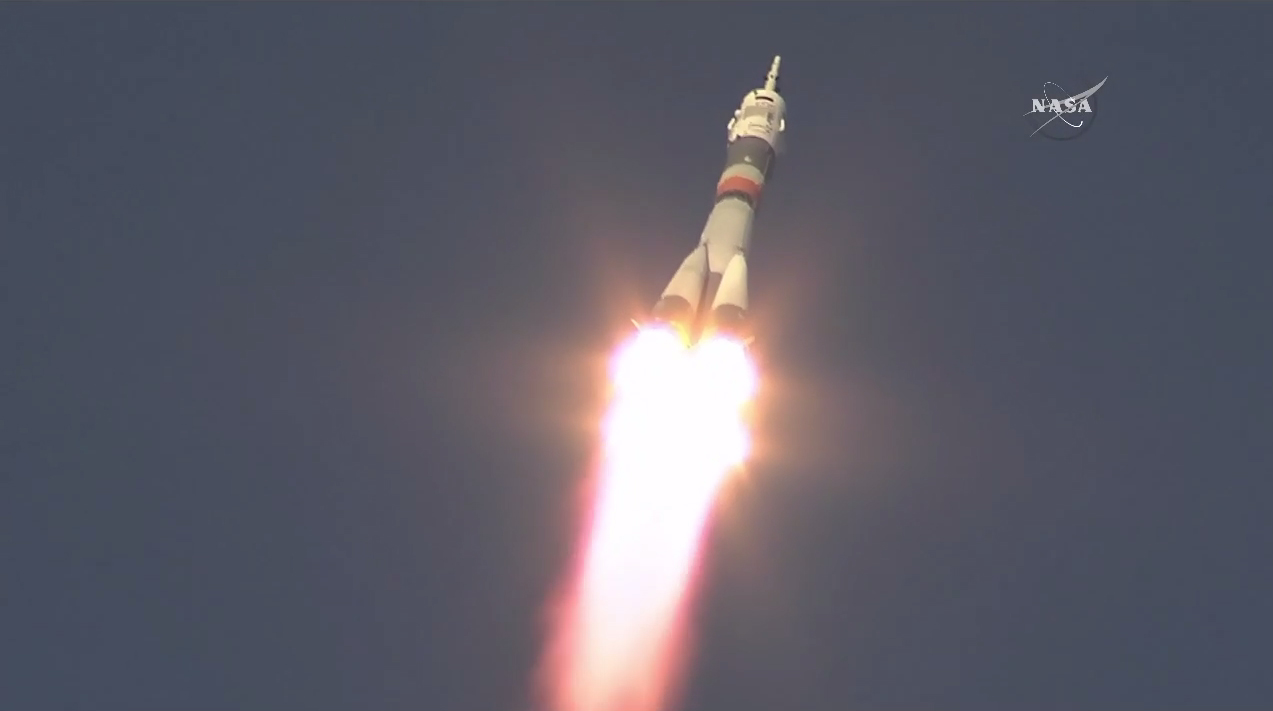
x=708 y=294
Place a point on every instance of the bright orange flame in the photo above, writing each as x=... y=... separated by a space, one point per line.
x=674 y=431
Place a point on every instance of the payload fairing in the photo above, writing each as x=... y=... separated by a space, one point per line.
x=708 y=293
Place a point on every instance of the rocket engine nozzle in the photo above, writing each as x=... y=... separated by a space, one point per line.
x=675 y=314
x=728 y=321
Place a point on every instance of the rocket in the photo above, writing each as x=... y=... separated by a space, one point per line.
x=708 y=294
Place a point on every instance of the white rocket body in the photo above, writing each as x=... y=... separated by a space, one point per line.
x=708 y=294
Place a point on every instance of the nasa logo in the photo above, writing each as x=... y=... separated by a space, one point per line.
x=1076 y=113
x=1042 y=105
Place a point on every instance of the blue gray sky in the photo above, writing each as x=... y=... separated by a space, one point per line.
x=305 y=310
